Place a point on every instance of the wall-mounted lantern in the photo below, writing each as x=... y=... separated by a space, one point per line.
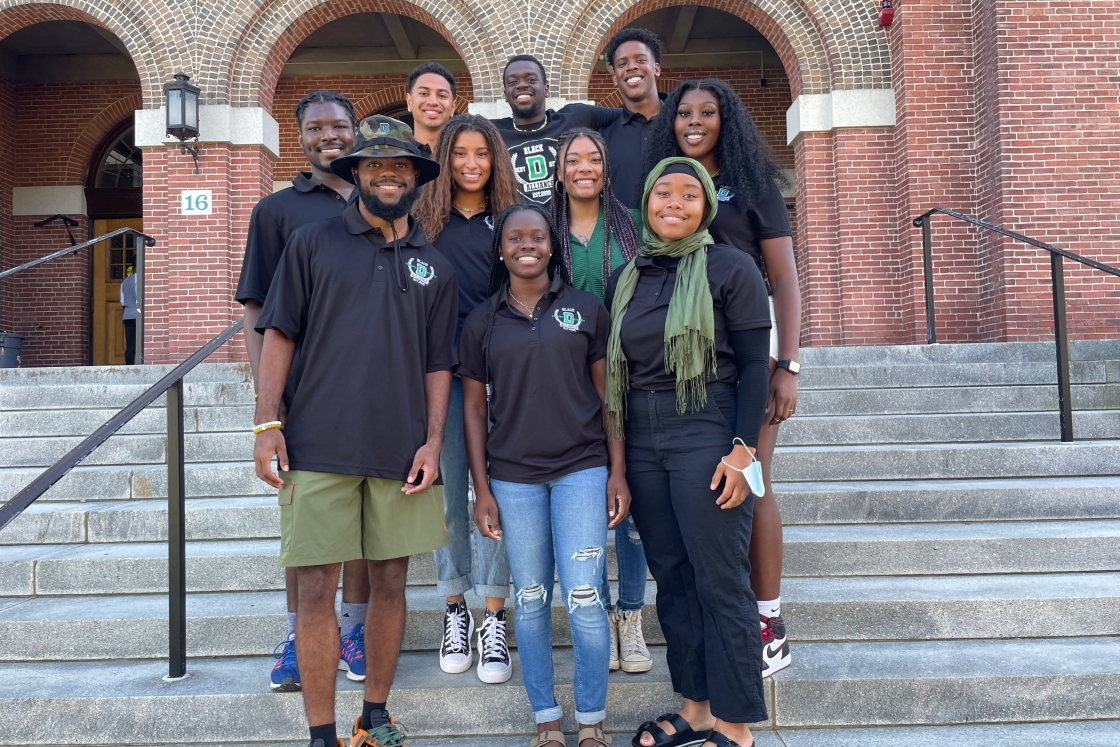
x=181 y=99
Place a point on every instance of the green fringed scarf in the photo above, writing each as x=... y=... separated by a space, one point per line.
x=690 y=324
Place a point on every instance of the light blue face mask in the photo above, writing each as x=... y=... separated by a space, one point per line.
x=753 y=473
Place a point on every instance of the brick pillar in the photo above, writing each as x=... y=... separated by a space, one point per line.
x=817 y=240
x=192 y=272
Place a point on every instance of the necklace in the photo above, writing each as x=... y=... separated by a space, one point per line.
x=538 y=127
x=521 y=303
x=585 y=240
x=467 y=211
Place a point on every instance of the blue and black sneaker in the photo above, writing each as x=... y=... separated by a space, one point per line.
x=285 y=673
x=352 y=654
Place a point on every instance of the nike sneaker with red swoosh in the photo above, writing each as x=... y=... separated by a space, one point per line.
x=775 y=647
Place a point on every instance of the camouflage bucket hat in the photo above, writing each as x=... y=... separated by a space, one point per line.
x=384 y=137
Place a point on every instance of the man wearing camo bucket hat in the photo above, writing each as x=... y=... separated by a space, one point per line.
x=358 y=328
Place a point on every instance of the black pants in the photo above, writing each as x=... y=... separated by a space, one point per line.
x=129 y=341
x=696 y=550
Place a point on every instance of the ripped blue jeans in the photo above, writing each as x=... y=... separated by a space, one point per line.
x=559 y=527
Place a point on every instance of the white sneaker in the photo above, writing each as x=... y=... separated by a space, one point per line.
x=455 y=654
x=494 y=665
x=775 y=646
x=634 y=656
x=612 y=623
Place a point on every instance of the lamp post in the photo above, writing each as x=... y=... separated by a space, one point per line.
x=182 y=114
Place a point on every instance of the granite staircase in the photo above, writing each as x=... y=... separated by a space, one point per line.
x=952 y=571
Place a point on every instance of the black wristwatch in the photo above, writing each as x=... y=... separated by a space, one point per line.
x=792 y=366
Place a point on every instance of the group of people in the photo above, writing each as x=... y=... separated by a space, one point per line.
x=588 y=319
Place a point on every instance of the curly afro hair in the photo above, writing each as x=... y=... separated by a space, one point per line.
x=746 y=162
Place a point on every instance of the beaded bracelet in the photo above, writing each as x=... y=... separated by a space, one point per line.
x=259 y=429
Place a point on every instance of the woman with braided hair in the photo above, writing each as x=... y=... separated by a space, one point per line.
x=706 y=121
x=597 y=235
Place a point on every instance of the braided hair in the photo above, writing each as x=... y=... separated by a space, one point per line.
x=746 y=162
x=325 y=97
x=616 y=218
x=499 y=275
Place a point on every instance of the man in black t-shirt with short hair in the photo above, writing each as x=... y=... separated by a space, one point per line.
x=359 y=330
x=532 y=133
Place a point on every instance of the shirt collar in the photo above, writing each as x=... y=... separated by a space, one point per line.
x=357 y=226
x=628 y=115
x=555 y=288
x=303 y=183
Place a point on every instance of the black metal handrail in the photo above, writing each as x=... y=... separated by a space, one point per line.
x=172 y=383
x=1057 y=289
x=148 y=241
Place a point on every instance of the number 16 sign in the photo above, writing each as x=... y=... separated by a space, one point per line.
x=197 y=201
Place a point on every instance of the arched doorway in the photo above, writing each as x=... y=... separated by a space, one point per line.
x=114 y=200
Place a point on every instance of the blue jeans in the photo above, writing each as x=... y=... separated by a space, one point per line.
x=632 y=570
x=559 y=527
x=453 y=561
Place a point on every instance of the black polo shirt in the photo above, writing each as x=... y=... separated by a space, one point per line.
x=739 y=302
x=533 y=148
x=743 y=223
x=273 y=220
x=547 y=416
x=467 y=244
x=627 y=138
x=355 y=394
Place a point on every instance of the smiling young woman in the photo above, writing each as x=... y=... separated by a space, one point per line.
x=686 y=386
x=710 y=124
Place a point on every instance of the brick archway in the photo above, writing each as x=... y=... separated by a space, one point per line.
x=269 y=35
x=84 y=146
x=154 y=46
x=785 y=23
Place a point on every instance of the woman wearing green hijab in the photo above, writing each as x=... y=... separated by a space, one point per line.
x=687 y=381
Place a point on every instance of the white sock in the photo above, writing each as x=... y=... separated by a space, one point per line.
x=352 y=615
x=772 y=608
x=291 y=625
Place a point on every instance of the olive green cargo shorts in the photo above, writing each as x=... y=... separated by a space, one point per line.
x=327 y=518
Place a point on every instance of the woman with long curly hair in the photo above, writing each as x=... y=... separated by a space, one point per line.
x=597 y=234
x=706 y=121
x=533 y=361
x=456 y=210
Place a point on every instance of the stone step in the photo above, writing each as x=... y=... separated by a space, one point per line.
x=849 y=502
x=132 y=375
x=953 y=374
x=909 y=355
x=828 y=550
x=123 y=482
x=153 y=420
x=829 y=685
x=816 y=609
x=126 y=449
x=941 y=428
x=115 y=396
x=965 y=399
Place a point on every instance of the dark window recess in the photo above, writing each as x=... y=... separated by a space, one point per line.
x=122 y=254
x=114 y=189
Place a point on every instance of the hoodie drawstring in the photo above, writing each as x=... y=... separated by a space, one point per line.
x=397 y=248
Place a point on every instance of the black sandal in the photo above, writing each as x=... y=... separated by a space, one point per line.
x=719 y=740
x=685 y=735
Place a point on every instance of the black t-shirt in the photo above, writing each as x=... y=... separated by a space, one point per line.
x=626 y=140
x=743 y=224
x=533 y=148
x=273 y=220
x=467 y=243
x=355 y=394
x=739 y=302
x=547 y=415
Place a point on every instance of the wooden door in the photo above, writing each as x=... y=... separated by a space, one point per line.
x=110 y=260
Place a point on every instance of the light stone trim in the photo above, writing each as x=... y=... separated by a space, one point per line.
x=279 y=185
x=825 y=112
x=67 y=200
x=217 y=123
x=500 y=109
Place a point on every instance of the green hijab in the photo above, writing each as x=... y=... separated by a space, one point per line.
x=690 y=323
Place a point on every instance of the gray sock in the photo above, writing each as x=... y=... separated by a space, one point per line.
x=352 y=614
x=291 y=624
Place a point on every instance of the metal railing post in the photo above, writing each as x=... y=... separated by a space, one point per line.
x=1061 y=339
x=176 y=537
x=927 y=265
x=141 y=277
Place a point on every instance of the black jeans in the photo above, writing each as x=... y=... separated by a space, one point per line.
x=696 y=550
x=129 y=341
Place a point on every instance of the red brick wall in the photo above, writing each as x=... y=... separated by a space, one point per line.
x=767 y=105
x=368 y=93
x=50 y=131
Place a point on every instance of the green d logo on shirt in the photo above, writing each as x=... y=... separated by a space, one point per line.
x=568 y=319
x=421 y=272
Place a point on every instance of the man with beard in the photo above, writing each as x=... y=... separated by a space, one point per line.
x=359 y=327
x=532 y=132
x=634 y=57
x=326 y=124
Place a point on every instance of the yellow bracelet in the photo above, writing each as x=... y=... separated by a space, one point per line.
x=259 y=429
